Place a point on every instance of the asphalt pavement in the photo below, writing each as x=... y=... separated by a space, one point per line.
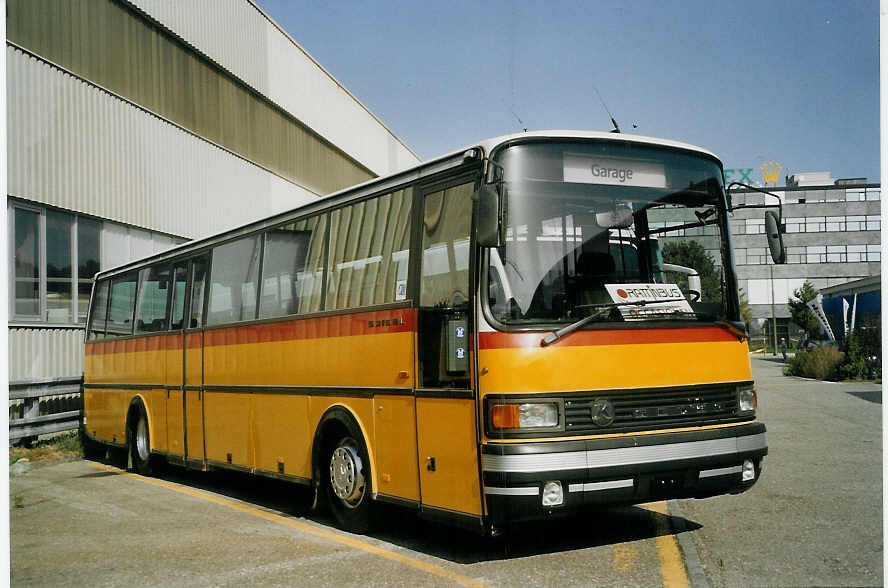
x=815 y=516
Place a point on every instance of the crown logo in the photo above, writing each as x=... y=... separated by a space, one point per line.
x=771 y=171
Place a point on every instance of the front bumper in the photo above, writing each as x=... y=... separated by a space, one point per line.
x=620 y=470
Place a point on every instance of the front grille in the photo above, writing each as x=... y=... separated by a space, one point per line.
x=636 y=410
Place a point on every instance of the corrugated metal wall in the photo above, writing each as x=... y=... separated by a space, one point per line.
x=44 y=353
x=75 y=146
x=113 y=46
x=230 y=32
x=239 y=37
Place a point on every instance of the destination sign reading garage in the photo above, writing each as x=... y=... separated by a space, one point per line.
x=583 y=169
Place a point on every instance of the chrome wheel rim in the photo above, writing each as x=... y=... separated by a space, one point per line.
x=347 y=475
x=142 y=439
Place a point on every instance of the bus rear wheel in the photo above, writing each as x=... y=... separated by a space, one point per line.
x=348 y=484
x=140 y=442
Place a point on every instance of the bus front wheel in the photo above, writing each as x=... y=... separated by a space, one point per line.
x=348 y=484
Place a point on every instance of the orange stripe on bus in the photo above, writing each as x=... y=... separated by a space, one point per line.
x=147 y=343
x=608 y=337
x=364 y=323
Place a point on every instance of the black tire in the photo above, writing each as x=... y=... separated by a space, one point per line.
x=139 y=442
x=346 y=471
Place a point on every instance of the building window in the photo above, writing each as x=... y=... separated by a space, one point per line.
x=58 y=266
x=755 y=226
x=56 y=254
x=831 y=224
x=756 y=256
x=795 y=255
x=795 y=224
x=873 y=193
x=835 y=223
x=856 y=223
x=835 y=254
x=816 y=254
x=26 y=263
x=89 y=234
x=815 y=224
x=855 y=195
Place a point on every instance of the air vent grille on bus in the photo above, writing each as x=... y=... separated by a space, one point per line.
x=634 y=410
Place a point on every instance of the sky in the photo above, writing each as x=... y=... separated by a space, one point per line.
x=795 y=82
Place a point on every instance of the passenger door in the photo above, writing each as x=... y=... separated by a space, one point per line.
x=175 y=366
x=445 y=402
x=193 y=360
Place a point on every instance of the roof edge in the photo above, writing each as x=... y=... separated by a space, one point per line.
x=329 y=75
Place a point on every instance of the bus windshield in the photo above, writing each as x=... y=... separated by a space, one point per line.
x=610 y=232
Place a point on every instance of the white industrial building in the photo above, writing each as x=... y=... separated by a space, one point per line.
x=135 y=125
x=833 y=236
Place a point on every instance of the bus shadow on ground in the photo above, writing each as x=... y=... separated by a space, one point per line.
x=405 y=528
x=587 y=530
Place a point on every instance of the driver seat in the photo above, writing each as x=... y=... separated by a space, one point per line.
x=594 y=270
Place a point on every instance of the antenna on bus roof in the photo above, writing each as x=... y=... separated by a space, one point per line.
x=616 y=128
x=518 y=118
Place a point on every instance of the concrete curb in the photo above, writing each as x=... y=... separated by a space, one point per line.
x=696 y=574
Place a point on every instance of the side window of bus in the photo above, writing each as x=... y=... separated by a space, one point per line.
x=177 y=305
x=293 y=268
x=122 y=305
x=445 y=247
x=444 y=289
x=151 y=308
x=99 y=311
x=370 y=251
x=198 y=287
x=235 y=278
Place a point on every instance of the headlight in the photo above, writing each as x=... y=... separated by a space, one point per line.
x=746 y=400
x=526 y=415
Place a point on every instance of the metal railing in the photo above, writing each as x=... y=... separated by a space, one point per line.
x=39 y=407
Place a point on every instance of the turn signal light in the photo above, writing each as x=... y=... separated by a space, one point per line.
x=505 y=416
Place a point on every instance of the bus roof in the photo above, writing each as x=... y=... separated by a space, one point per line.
x=490 y=144
x=431 y=167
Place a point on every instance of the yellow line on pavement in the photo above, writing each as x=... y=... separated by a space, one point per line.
x=305 y=527
x=671 y=562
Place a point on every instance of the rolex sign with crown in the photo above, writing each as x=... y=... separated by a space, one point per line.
x=771 y=171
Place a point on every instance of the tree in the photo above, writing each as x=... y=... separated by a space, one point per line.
x=745 y=311
x=801 y=314
x=691 y=254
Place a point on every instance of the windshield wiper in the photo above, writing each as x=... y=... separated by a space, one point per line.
x=556 y=335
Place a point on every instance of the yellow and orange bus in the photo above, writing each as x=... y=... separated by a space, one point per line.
x=533 y=326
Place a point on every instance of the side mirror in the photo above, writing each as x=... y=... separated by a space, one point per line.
x=775 y=237
x=489 y=226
